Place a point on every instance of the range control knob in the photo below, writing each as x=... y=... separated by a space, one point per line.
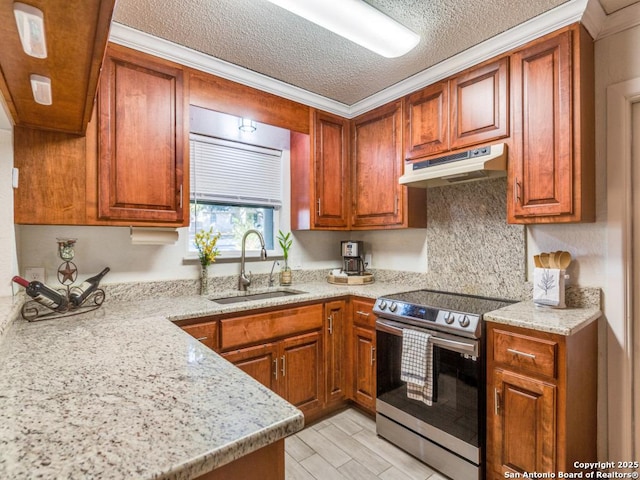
x=382 y=305
x=393 y=307
x=449 y=318
x=464 y=321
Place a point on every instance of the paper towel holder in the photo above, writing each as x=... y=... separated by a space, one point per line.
x=153 y=235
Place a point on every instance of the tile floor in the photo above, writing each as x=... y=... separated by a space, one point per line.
x=346 y=447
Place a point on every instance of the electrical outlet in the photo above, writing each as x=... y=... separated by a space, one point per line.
x=33 y=274
x=368 y=260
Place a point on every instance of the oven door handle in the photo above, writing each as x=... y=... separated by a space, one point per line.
x=470 y=348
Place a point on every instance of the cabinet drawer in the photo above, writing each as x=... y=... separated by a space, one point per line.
x=207 y=333
x=263 y=327
x=362 y=312
x=522 y=352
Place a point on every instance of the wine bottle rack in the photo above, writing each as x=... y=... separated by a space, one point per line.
x=33 y=311
x=67 y=274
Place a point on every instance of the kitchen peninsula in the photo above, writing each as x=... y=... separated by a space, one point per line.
x=121 y=392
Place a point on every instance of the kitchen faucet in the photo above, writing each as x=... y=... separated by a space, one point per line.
x=244 y=281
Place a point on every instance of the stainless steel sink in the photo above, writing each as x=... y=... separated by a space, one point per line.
x=257 y=296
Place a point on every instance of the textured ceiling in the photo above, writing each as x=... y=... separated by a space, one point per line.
x=263 y=37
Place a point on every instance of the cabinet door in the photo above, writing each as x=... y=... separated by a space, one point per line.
x=364 y=348
x=301 y=371
x=335 y=355
x=141 y=139
x=331 y=171
x=206 y=333
x=480 y=104
x=376 y=167
x=260 y=362
x=541 y=177
x=427 y=121
x=523 y=430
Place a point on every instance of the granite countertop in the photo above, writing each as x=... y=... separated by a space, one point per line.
x=123 y=393
x=563 y=321
x=112 y=395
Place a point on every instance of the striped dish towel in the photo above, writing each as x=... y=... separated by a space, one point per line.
x=416 y=365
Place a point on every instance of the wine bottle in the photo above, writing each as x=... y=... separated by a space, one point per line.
x=43 y=294
x=80 y=293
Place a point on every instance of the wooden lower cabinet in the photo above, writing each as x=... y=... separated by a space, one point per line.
x=260 y=362
x=525 y=428
x=283 y=350
x=335 y=352
x=541 y=400
x=205 y=332
x=364 y=346
x=291 y=367
x=363 y=353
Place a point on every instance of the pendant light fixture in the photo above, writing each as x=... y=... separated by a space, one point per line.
x=357 y=21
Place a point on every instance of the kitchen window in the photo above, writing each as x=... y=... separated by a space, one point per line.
x=234 y=187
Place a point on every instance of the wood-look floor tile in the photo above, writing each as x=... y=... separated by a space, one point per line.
x=344 y=422
x=354 y=470
x=294 y=471
x=321 y=469
x=413 y=468
x=330 y=452
x=295 y=447
x=366 y=457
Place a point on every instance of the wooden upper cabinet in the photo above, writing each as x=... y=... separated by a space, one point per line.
x=552 y=165
x=76 y=35
x=427 y=121
x=480 y=104
x=320 y=195
x=331 y=171
x=468 y=109
x=376 y=165
x=142 y=160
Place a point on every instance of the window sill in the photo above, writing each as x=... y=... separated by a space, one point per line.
x=233 y=257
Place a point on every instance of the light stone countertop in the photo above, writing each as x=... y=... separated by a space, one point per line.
x=563 y=321
x=123 y=393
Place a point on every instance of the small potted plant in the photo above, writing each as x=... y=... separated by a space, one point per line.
x=285 y=242
x=207 y=252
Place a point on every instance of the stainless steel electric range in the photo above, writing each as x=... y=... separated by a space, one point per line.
x=449 y=433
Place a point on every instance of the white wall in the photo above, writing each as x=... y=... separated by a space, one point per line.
x=8 y=262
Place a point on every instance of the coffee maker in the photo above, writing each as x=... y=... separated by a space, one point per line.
x=352 y=257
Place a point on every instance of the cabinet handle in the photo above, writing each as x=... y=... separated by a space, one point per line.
x=397 y=206
x=275 y=368
x=496 y=401
x=331 y=324
x=516 y=192
x=319 y=204
x=522 y=354
x=364 y=314
x=283 y=368
x=202 y=339
x=373 y=355
x=180 y=196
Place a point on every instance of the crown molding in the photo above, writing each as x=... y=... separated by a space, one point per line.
x=548 y=22
x=621 y=20
x=594 y=18
x=159 y=47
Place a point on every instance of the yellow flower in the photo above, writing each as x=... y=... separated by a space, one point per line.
x=206 y=244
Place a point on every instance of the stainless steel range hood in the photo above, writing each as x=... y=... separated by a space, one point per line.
x=469 y=166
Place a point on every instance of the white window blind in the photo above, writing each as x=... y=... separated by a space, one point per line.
x=235 y=173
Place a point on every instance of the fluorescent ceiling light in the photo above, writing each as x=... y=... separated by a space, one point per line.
x=357 y=21
x=41 y=87
x=31 y=29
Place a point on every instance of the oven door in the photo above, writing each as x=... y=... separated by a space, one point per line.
x=452 y=422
